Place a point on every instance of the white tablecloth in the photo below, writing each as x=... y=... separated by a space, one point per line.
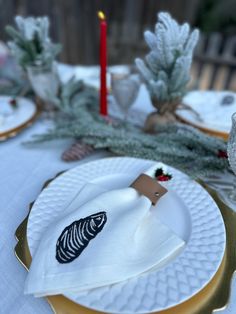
x=23 y=171
x=22 y=174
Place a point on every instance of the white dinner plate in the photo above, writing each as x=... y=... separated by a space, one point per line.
x=12 y=120
x=213 y=113
x=187 y=209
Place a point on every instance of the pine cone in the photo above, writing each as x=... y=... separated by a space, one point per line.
x=77 y=151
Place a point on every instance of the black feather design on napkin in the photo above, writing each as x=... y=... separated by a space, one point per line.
x=75 y=237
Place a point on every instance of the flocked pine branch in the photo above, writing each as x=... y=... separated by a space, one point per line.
x=72 y=95
x=178 y=145
x=31 y=44
x=166 y=68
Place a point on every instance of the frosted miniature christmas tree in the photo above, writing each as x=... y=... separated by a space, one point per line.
x=166 y=68
x=31 y=44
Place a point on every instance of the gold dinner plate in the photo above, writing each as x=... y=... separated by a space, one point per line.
x=213 y=296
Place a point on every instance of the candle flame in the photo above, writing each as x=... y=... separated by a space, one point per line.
x=101 y=15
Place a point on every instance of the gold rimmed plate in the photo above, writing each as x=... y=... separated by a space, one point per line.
x=16 y=118
x=203 y=128
x=214 y=294
x=210 y=111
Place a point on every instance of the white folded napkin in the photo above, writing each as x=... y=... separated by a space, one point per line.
x=110 y=238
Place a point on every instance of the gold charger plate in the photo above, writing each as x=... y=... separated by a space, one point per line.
x=214 y=295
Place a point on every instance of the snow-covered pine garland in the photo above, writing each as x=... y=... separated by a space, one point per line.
x=178 y=145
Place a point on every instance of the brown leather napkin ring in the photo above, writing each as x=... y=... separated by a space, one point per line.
x=149 y=187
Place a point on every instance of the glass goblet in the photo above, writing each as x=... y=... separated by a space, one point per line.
x=125 y=89
x=45 y=82
x=231 y=151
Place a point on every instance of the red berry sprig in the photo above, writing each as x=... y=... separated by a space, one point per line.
x=222 y=154
x=161 y=176
x=13 y=102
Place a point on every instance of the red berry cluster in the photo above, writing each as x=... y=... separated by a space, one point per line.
x=13 y=102
x=161 y=176
x=222 y=154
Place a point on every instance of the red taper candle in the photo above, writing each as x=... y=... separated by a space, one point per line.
x=103 y=63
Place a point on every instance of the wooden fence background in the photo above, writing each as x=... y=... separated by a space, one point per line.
x=74 y=23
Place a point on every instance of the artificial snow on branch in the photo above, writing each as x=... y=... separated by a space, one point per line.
x=178 y=145
x=31 y=44
x=72 y=95
x=166 y=68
